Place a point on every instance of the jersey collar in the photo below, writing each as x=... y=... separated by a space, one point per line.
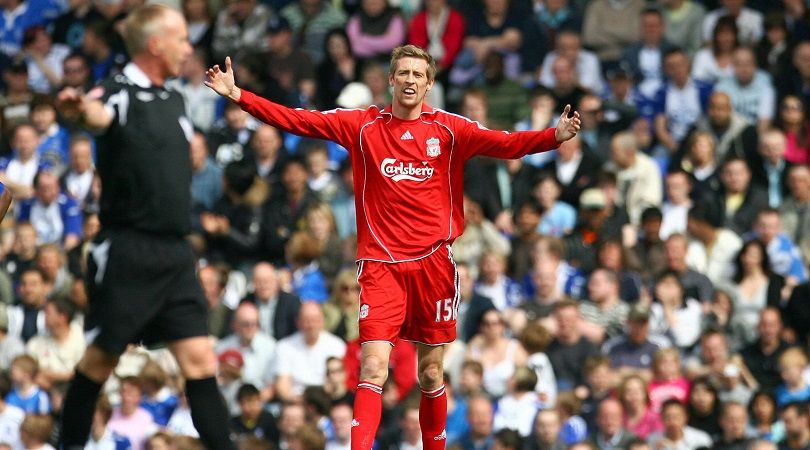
x=426 y=109
x=136 y=75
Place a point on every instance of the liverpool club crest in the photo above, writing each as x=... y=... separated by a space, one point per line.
x=433 y=148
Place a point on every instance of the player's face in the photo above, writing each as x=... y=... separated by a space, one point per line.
x=410 y=82
x=175 y=46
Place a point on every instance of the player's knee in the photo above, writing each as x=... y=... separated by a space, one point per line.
x=374 y=369
x=431 y=375
x=97 y=364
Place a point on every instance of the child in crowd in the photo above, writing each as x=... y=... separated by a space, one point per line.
x=158 y=399
x=668 y=381
x=253 y=419
x=101 y=437
x=600 y=380
x=25 y=394
x=794 y=388
x=574 y=428
x=517 y=409
x=472 y=379
x=35 y=431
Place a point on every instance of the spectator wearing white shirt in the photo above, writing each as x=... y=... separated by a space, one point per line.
x=678 y=188
x=101 y=437
x=713 y=62
x=300 y=359
x=751 y=90
x=638 y=176
x=18 y=172
x=712 y=248
x=10 y=417
x=673 y=314
x=78 y=180
x=201 y=102
x=749 y=21
x=58 y=351
x=518 y=408
x=586 y=64
x=341 y=416
x=677 y=435
x=256 y=347
x=35 y=431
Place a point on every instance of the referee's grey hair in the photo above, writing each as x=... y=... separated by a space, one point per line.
x=142 y=24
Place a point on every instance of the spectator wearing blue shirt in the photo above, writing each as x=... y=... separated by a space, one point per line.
x=98 y=45
x=793 y=388
x=783 y=253
x=101 y=437
x=56 y=217
x=54 y=139
x=25 y=393
x=206 y=176
x=158 y=400
x=480 y=416
x=678 y=104
x=558 y=218
x=751 y=89
x=16 y=17
x=307 y=280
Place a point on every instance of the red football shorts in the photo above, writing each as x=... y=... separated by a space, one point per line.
x=415 y=300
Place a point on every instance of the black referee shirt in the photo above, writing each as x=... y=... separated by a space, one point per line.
x=143 y=157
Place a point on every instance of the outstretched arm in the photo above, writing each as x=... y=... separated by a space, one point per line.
x=479 y=140
x=85 y=110
x=337 y=125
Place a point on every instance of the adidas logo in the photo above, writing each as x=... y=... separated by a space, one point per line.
x=355 y=423
x=441 y=437
x=407 y=136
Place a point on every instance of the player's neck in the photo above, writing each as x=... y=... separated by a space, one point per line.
x=403 y=112
x=151 y=68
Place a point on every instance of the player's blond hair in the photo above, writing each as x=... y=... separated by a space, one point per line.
x=412 y=51
x=142 y=24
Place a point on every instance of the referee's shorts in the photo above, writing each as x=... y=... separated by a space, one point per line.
x=143 y=288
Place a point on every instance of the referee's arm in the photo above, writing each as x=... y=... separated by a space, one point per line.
x=84 y=109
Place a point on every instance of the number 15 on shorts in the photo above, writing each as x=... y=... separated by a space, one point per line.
x=446 y=310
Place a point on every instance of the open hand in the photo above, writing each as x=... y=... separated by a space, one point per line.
x=221 y=82
x=70 y=103
x=567 y=127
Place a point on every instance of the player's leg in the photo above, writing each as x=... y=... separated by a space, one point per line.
x=120 y=307
x=198 y=364
x=92 y=371
x=374 y=358
x=431 y=323
x=382 y=312
x=433 y=404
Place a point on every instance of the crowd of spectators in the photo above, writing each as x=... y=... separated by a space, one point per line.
x=644 y=286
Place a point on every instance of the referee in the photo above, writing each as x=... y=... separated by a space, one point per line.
x=141 y=271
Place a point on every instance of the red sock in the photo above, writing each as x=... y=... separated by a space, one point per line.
x=433 y=418
x=367 y=411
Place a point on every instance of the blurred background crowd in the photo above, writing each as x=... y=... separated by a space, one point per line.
x=644 y=286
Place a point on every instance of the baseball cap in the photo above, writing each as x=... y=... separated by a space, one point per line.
x=232 y=357
x=638 y=313
x=277 y=24
x=592 y=198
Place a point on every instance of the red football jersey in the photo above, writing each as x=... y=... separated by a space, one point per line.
x=408 y=174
